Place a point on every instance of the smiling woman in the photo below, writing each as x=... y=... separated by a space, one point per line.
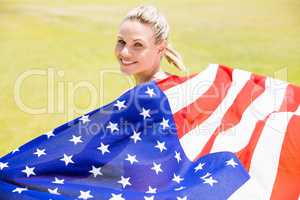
x=142 y=43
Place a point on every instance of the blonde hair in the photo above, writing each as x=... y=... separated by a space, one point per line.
x=150 y=15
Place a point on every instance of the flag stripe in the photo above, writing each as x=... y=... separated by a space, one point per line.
x=201 y=82
x=193 y=141
x=198 y=111
x=173 y=81
x=259 y=109
x=255 y=87
x=287 y=182
x=264 y=162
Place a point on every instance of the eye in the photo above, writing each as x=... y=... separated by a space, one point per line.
x=138 y=44
x=122 y=42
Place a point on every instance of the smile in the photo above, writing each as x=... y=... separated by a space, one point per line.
x=126 y=62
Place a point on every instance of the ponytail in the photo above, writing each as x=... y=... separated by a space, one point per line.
x=173 y=57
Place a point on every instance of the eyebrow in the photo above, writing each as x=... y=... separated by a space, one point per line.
x=133 y=40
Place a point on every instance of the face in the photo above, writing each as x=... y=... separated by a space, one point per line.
x=136 y=50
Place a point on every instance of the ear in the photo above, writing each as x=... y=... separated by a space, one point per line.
x=162 y=47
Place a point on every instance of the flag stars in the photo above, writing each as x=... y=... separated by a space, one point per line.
x=58 y=181
x=136 y=136
x=156 y=168
x=84 y=119
x=145 y=113
x=124 y=181
x=85 y=195
x=113 y=127
x=103 y=148
x=151 y=190
x=150 y=92
x=53 y=191
x=210 y=181
x=40 y=152
x=67 y=159
x=96 y=171
x=3 y=165
x=148 y=198
x=177 y=179
x=161 y=146
x=116 y=197
x=49 y=134
x=165 y=123
x=75 y=139
x=199 y=167
x=28 y=171
x=131 y=159
x=14 y=151
x=177 y=156
x=120 y=104
x=181 y=198
x=231 y=162
x=19 y=190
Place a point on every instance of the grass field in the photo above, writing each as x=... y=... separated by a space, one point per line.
x=70 y=45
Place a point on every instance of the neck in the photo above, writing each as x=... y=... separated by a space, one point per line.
x=143 y=78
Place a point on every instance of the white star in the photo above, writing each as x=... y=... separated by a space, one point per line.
x=40 y=152
x=85 y=195
x=113 y=127
x=14 y=151
x=151 y=190
x=96 y=171
x=161 y=146
x=177 y=179
x=67 y=159
x=49 y=134
x=28 y=171
x=58 y=181
x=149 y=198
x=124 y=181
x=210 y=181
x=120 y=104
x=182 y=198
x=104 y=148
x=205 y=176
x=145 y=113
x=199 y=167
x=165 y=123
x=131 y=158
x=136 y=136
x=177 y=156
x=54 y=191
x=3 y=165
x=150 y=92
x=75 y=139
x=85 y=119
x=116 y=197
x=156 y=168
x=19 y=190
x=231 y=162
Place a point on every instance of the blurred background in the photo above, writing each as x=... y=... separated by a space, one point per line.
x=57 y=56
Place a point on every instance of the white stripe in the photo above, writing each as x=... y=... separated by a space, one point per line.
x=193 y=142
x=297 y=112
x=184 y=94
x=265 y=160
x=237 y=137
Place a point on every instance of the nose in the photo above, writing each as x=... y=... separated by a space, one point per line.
x=124 y=52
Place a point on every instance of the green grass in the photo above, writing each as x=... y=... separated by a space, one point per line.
x=78 y=37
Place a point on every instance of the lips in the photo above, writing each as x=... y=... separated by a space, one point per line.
x=125 y=62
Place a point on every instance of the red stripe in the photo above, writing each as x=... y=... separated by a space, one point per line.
x=195 y=113
x=292 y=99
x=252 y=89
x=287 y=183
x=172 y=81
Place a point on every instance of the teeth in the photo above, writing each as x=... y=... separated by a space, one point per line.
x=126 y=62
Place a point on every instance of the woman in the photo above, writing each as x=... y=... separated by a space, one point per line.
x=143 y=42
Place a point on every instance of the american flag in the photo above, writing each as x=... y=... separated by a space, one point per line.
x=181 y=138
